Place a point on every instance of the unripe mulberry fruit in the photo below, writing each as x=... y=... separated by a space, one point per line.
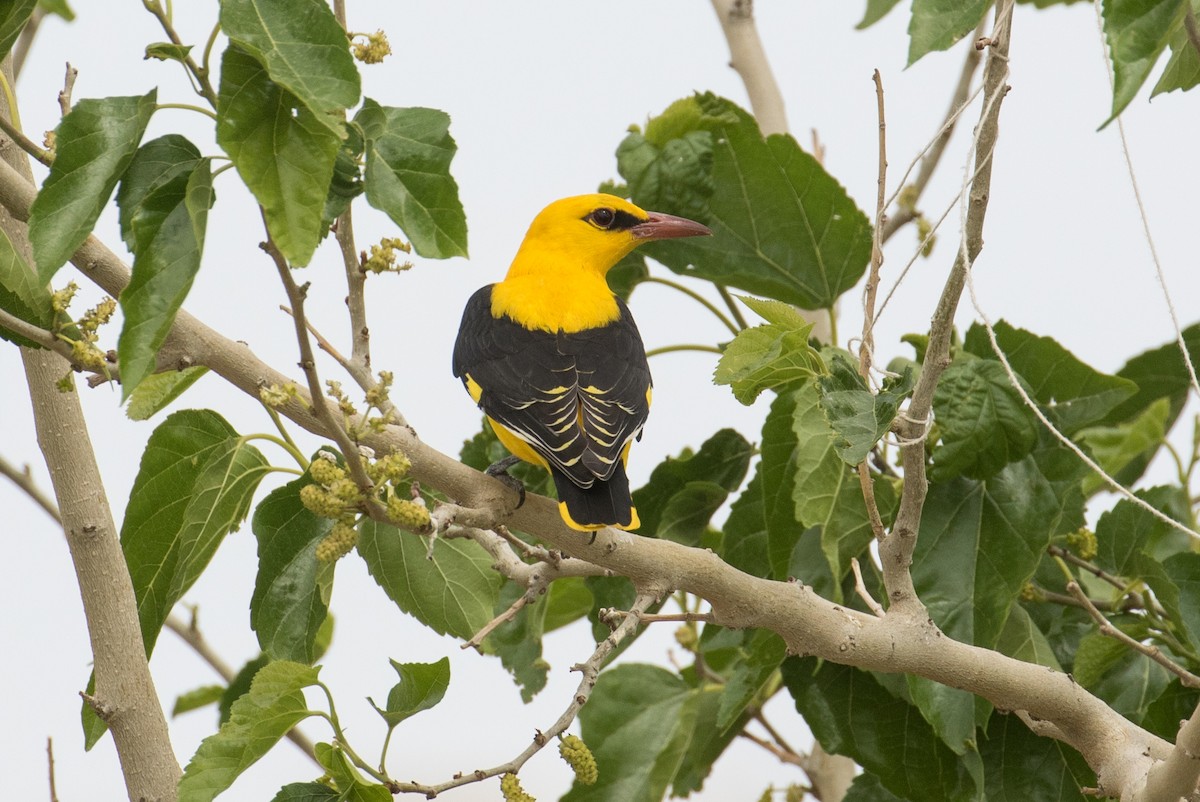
x=325 y=471
x=510 y=786
x=320 y=501
x=338 y=543
x=580 y=758
x=408 y=514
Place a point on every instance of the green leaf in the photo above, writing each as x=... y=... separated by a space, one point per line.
x=867 y=788
x=164 y=200
x=347 y=778
x=347 y=181
x=768 y=357
x=292 y=589
x=274 y=705
x=13 y=17
x=155 y=392
x=639 y=723
x=197 y=698
x=979 y=543
x=239 y=686
x=1174 y=705
x=1020 y=766
x=684 y=492
x=568 y=600
x=302 y=48
x=1183 y=68
x=96 y=142
x=1158 y=373
x=22 y=295
x=421 y=686
x=408 y=154
x=1128 y=530
x=859 y=417
x=1117 y=447
x=167 y=51
x=194 y=486
x=1137 y=32
x=1127 y=680
x=983 y=421
x=1073 y=394
x=783 y=227
x=708 y=743
x=58 y=7
x=851 y=714
x=938 y=24
x=1021 y=639
x=282 y=149
x=518 y=642
x=827 y=493
x=453 y=592
x=876 y=10
x=744 y=545
x=1183 y=569
x=759 y=659
x=306 y=792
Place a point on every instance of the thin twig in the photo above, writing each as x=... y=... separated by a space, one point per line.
x=25 y=143
x=64 y=97
x=205 y=87
x=24 y=480
x=931 y=156
x=784 y=755
x=46 y=339
x=50 y=767
x=25 y=40
x=360 y=334
x=1186 y=678
x=651 y=618
x=861 y=589
x=590 y=669
x=477 y=639
x=296 y=295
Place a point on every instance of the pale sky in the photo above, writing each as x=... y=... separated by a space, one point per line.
x=540 y=95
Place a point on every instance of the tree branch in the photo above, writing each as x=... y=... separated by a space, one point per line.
x=896 y=550
x=749 y=60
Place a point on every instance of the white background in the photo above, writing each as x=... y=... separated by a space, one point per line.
x=540 y=94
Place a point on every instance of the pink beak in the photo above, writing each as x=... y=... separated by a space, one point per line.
x=668 y=226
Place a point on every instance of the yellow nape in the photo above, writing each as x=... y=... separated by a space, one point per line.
x=556 y=281
x=634 y=523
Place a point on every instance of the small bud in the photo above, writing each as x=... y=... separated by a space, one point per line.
x=391 y=468
x=924 y=229
x=686 y=637
x=577 y=755
x=276 y=395
x=61 y=299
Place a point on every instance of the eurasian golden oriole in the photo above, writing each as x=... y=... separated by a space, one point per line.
x=554 y=359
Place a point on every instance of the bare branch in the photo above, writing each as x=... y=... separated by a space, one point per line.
x=896 y=550
x=749 y=59
x=932 y=155
x=64 y=97
x=861 y=589
x=23 y=479
x=1187 y=678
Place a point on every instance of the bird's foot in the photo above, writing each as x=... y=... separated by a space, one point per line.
x=499 y=470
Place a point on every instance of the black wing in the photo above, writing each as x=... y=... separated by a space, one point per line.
x=576 y=398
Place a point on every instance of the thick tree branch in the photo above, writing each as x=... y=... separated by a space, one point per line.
x=123 y=684
x=896 y=550
x=748 y=58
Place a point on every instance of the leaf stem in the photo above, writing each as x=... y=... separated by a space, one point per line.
x=695 y=296
x=733 y=307
x=667 y=349
x=187 y=107
x=289 y=443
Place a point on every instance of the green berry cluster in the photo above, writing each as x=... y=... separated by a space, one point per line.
x=580 y=758
x=338 y=543
x=276 y=395
x=383 y=258
x=1083 y=542
x=510 y=786
x=407 y=513
x=372 y=51
x=377 y=402
x=389 y=468
x=84 y=352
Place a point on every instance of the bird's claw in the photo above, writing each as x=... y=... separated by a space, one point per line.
x=499 y=470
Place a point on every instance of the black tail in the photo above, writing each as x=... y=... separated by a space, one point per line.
x=606 y=503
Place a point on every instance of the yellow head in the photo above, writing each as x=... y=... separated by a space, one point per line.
x=593 y=232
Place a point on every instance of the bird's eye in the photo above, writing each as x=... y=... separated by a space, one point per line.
x=603 y=217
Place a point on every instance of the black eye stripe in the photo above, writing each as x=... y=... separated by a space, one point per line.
x=612 y=219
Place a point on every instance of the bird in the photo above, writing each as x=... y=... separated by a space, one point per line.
x=554 y=358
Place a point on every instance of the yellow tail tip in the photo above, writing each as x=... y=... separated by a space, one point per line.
x=633 y=524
